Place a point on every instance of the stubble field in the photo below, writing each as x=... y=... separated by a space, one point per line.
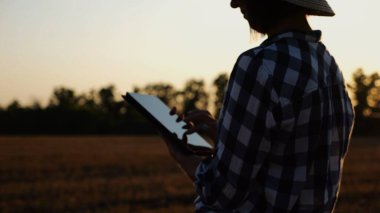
x=135 y=174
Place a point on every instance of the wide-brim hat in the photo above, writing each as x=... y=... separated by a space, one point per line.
x=315 y=7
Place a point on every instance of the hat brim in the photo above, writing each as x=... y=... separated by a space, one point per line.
x=314 y=7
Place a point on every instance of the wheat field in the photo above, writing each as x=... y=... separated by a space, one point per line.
x=134 y=174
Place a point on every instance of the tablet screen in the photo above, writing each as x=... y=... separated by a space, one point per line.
x=161 y=112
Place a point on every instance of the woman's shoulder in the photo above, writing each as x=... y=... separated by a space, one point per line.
x=260 y=60
x=254 y=68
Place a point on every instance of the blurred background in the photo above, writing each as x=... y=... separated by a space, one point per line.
x=68 y=143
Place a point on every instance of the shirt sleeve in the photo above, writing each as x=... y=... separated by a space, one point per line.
x=243 y=141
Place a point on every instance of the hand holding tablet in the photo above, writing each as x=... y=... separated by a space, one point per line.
x=169 y=124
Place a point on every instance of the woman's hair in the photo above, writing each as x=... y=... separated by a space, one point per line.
x=267 y=13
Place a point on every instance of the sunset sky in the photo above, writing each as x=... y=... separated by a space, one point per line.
x=88 y=44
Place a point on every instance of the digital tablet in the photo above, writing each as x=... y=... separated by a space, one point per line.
x=157 y=112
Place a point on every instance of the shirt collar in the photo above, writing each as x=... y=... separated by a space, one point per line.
x=313 y=36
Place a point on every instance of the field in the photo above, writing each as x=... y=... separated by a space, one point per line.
x=135 y=174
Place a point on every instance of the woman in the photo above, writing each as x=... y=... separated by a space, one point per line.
x=285 y=124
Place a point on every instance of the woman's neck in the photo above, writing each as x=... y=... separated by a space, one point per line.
x=296 y=22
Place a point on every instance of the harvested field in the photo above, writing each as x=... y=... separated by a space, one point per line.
x=134 y=174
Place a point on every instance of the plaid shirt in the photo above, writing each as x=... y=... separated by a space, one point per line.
x=283 y=132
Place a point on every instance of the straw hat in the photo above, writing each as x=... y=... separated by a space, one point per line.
x=315 y=7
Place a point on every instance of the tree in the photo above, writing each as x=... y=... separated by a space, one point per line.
x=165 y=91
x=36 y=105
x=107 y=98
x=220 y=84
x=64 y=98
x=14 y=106
x=194 y=95
x=88 y=101
x=366 y=90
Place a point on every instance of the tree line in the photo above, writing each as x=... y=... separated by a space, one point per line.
x=102 y=112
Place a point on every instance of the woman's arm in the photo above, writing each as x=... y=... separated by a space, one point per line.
x=187 y=162
x=196 y=121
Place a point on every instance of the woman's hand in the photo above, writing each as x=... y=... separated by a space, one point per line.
x=196 y=121
x=201 y=121
x=186 y=161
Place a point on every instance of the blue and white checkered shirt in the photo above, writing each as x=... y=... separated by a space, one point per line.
x=283 y=132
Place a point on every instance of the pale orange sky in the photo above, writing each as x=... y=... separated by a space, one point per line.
x=85 y=44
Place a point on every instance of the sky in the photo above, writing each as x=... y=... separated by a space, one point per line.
x=89 y=44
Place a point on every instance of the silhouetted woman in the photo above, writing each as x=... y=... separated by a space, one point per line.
x=285 y=124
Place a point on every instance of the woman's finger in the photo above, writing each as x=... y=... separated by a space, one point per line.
x=180 y=117
x=184 y=138
x=193 y=129
x=198 y=117
x=173 y=111
x=190 y=131
x=188 y=125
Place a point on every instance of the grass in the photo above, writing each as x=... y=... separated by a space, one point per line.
x=134 y=174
